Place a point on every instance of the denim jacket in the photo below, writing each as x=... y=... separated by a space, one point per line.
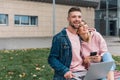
x=60 y=55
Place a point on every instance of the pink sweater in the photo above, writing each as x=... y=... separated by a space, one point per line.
x=96 y=44
x=76 y=63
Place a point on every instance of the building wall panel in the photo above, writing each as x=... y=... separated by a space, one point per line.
x=44 y=11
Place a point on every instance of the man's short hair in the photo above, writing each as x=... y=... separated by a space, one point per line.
x=72 y=9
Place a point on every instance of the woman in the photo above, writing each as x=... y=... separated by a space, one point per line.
x=93 y=42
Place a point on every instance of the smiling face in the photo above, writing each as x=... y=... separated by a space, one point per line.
x=74 y=19
x=83 y=29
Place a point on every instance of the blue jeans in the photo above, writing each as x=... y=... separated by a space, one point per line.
x=106 y=58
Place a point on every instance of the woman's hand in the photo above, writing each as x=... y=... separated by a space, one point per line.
x=96 y=58
x=86 y=62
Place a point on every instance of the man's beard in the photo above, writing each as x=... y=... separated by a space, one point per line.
x=74 y=27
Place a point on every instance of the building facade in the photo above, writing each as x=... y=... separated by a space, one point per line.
x=23 y=23
x=34 y=18
x=107 y=20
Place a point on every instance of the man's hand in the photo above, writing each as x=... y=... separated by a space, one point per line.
x=68 y=75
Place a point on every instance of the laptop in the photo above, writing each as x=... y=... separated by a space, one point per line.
x=96 y=71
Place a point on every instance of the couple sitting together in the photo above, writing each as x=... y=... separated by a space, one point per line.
x=75 y=47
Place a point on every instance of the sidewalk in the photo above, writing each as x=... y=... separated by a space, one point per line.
x=113 y=44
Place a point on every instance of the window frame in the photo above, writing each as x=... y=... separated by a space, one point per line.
x=5 y=21
x=22 y=17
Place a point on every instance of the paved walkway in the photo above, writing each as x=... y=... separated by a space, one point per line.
x=20 y=43
x=113 y=44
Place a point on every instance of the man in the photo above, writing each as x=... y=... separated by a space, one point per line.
x=65 y=56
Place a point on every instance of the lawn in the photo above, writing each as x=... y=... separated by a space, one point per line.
x=28 y=64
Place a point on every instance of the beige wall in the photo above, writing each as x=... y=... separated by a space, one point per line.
x=44 y=13
x=89 y=15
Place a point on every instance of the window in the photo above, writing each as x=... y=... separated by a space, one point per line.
x=3 y=19
x=26 y=20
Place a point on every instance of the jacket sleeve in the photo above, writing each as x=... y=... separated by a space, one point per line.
x=54 y=57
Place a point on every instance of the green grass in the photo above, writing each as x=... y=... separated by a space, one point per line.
x=117 y=61
x=28 y=64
